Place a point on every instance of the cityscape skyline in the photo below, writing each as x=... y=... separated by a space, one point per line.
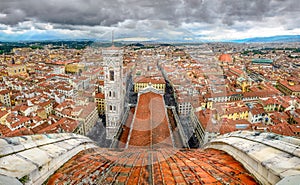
x=149 y=92
x=149 y=114
x=183 y=21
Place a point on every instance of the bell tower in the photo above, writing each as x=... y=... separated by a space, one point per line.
x=113 y=89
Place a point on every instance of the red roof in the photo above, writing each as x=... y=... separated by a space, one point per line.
x=21 y=121
x=150 y=124
x=3 y=113
x=225 y=58
x=282 y=129
x=44 y=104
x=150 y=80
x=256 y=111
x=101 y=82
x=229 y=125
x=295 y=128
x=4 y=130
x=63 y=125
x=100 y=96
x=3 y=92
x=126 y=128
x=294 y=88
x=236 y=71
x=167 y=166
x=19 y=132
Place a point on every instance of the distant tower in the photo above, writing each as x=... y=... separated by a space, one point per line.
x=113 y=89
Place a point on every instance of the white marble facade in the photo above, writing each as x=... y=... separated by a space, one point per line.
x=113 y=89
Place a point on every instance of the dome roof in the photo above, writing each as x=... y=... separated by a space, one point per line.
x=160 y=166
x=225 y=58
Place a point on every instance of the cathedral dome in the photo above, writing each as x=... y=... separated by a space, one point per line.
x=160 y=166
x=234 y=158
x=225 y=58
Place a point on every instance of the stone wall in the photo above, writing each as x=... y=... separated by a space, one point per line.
x=32 y=159
x=269 y=157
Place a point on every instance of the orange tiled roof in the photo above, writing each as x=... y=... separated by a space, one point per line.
x=100 y=96
x=256 y=111
x=160 y=166
x=4 y=130
x=44 y=104
x=225 y=58
x=150 y=80
x=3 y=113
x=101 y=82
x=295 y=128
x=126 y=128
x=294 y=88
x=19 y=132
x=150 y=126
x=282 y=129
x=3 y=92
x=63 y=125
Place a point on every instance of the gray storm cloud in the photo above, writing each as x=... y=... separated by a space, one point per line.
x=148 y=14
x=111 y=12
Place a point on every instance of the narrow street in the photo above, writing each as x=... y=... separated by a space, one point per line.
x=98 y=135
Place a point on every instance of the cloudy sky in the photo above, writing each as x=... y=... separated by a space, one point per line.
x=209 y=20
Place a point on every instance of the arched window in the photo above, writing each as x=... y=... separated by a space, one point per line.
x=109 y=94
x=111 y=75
x=110 y=107
x=114 y=94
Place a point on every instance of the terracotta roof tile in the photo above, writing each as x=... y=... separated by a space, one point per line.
x=160 y=166
x=150 y=80
x=150 y=124
x=100 y=96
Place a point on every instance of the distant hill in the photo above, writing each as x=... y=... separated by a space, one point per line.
x=136 y=44
x=54 y=37
x=281 y=38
